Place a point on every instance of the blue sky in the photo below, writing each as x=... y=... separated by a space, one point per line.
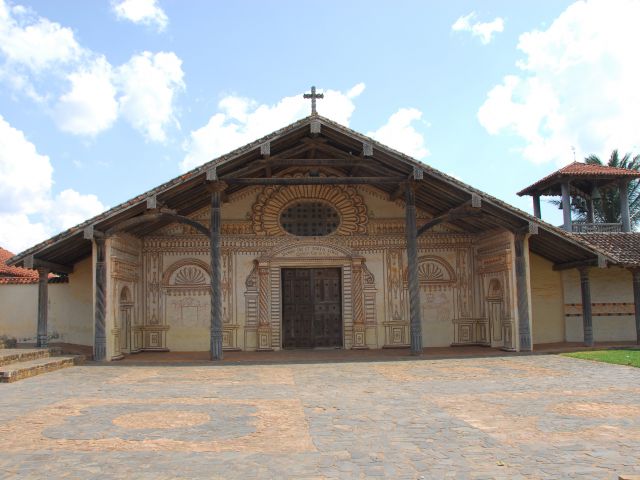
x=100 y=101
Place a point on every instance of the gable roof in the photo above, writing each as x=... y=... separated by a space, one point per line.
x=310 y=138
x=550 y=185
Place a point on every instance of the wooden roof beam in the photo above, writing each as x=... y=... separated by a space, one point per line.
x=315 y=181
x=32 y=262
x=600 y=262
x=462 y=211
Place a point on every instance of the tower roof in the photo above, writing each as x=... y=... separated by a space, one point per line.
x=583 y=176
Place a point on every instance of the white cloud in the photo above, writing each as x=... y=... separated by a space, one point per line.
x=25 y=175
x=29 y=213
x=483 y=30
x=73 y=208
x=577 y=85
x=399 y=133
x=146 y=12
x=149 y=83
x=90 y=106
x=242 y=120
x=83 y=91
x=35 y=42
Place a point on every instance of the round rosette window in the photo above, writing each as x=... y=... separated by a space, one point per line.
x=310 y=219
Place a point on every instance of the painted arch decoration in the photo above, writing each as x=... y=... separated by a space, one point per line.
x=272 y=201
x=433 y=270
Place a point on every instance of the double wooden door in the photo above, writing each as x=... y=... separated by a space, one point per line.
x=311 y=307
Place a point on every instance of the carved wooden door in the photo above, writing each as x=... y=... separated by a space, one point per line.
x=311 y=307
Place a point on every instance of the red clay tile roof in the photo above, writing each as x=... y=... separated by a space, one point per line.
x=579 y=169
x=15 y=274
x=623 y=246
x=18 y=275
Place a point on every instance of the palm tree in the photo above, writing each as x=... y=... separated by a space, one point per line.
x=607 y=208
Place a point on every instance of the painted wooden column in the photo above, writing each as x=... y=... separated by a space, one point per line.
x=587 y=319
x=412 y=260
x=522 y=291
x=624 y=206
x=536 y=207
x=566 y=206
x=43 y=307
x=100 y=338
x=216 y=189
x=636 y=300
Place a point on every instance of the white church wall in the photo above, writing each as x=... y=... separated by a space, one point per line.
x=546 y=301
x=19 y=311
x=70 y=309
x=612 y=305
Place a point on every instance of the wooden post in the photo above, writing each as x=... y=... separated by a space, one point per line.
x=566 y=206
x=522 y=291
x=624 y=206
x=216 y=189
x=536 y=207
x=636 y=299
x=43 y=307
x=100 y=338
x=587 y=321
x=590 y=215
x=412 y=260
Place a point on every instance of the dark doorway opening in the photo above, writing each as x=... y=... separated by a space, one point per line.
x=311 y=308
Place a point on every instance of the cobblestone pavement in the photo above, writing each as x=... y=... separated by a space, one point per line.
x=501 y=417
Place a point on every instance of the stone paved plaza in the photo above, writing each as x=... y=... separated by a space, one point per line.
x=540 y=416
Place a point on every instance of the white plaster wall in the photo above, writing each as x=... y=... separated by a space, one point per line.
x=19 y=311
x=70 y=309
x=608 y=285
x=546 y=301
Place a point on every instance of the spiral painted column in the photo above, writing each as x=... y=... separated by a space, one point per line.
x=412 y=258
x=100 y=340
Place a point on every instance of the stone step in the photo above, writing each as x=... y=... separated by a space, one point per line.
x=15 y=355
x=30 y=368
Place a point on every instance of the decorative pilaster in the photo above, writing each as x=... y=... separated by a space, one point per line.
x=100 y=340
x=264 y=325
x=43 y=307
x=216 y=188
x=522 y=291
x=636 y=299
x=412 y=260
x=587 y=321
x=359 y=331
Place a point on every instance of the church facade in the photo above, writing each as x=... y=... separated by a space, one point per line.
x=312 y=237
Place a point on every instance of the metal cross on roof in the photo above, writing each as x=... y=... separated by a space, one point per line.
x=313 y=95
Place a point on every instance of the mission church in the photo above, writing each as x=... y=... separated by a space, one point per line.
x=316 y=236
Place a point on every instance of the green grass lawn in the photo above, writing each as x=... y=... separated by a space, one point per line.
x=627 y=356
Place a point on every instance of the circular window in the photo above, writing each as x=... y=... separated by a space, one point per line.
x=310 y=219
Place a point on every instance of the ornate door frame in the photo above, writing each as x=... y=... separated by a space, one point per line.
x=308 y=253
